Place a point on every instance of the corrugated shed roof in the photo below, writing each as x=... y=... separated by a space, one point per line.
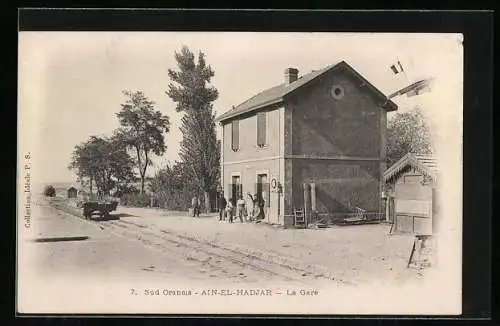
x=424 y=163
x=275 y=94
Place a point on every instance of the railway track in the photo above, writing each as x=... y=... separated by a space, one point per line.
x=207 y=255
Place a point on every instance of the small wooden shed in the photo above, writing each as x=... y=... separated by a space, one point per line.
x=72 y=192
x=411 y=185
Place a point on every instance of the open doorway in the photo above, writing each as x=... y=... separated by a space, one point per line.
x=261 y=185
x=236 y=188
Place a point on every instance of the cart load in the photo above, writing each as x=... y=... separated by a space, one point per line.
x=103 y=208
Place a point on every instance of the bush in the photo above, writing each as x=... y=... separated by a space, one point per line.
x=49 y=191
x=174 y=200
x=136 y=200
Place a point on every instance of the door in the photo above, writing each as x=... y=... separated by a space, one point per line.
x=263 y=191
x=261 y=185
x=235 y=188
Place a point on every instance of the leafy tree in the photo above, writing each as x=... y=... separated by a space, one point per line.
x=199 y=152
x=103 y=162
x=142 y=130
x=407 y=132
x=49 y=191
x=82 y=162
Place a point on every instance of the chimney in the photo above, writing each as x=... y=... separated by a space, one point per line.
x=291 y=75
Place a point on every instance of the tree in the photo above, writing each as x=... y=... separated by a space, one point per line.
x=173 y=187
x=142 y=130
x=199 y=152
x=82 y=162
x=407 y=132
x=49 y=191
x=121 y=165
x=103 y=161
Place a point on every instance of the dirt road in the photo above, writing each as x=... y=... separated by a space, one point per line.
x=131 y=249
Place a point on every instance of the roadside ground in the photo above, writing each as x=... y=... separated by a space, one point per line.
x=350 y=254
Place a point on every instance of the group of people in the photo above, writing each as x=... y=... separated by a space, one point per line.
x=254 y=213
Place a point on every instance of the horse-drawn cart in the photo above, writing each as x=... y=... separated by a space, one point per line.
x=102 y=207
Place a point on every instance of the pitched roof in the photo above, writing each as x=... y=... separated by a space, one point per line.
x=423 y=163
x=276 y=94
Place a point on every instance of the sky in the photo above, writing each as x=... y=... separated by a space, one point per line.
x=71 y=83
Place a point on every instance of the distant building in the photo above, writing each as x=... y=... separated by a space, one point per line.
x=315 y=142
x=72 y=192
x=411 y=185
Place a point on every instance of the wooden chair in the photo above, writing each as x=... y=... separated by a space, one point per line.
x=299 y=218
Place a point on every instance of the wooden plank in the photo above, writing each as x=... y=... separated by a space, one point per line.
x=313 y=197
x=305 y=187
x=414 y=207
x=413 y=192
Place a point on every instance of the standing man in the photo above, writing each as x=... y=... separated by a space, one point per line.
x=195 y=203
x=229 y=210
x=241 y=209
x=260 y=207
x=222 y=207
x=250 y=206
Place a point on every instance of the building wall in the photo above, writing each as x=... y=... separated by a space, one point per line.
x=248 y=149
x=337 y=144
x=251 y=160
x=349 y=126
x=340 y=185
x=248 y=174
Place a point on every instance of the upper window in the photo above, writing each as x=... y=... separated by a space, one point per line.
x=262 y=129
x=235 y=135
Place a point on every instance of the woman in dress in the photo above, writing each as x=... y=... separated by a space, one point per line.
x=250 y=206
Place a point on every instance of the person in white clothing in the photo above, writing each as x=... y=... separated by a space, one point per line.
x=241 y=208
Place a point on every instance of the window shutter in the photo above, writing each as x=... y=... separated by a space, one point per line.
x=261 y=128
x=235 y=135
x=240 y=190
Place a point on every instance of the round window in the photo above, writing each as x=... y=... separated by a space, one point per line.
x=337 y=92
